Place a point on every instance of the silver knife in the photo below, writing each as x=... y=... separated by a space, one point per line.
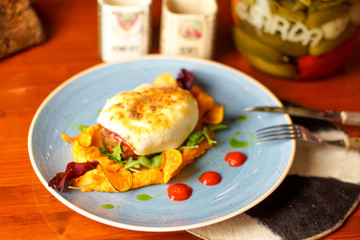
x=347 y=118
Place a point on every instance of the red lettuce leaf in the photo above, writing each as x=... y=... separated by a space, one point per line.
x=185 y=79
x=73 y=170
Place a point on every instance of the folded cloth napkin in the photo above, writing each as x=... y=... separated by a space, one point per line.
x=319 y=193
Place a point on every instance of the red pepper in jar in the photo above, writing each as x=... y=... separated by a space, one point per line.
x=314 y=67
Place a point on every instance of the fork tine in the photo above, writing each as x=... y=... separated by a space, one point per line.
x=276 y=127
x=277 y=132
x=275 y=139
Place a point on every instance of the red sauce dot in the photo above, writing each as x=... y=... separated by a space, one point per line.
x=179 y=192
x=235 y=159
x=210 y=178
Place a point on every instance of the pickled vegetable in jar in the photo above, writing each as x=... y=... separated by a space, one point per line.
x=296 y=39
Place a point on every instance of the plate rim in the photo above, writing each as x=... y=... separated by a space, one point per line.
x=147 y=228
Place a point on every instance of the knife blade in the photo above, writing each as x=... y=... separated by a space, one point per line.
x=347 y=118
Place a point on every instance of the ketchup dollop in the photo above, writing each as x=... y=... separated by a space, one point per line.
x=179 y=192
x=235 y=159
x=210 y=178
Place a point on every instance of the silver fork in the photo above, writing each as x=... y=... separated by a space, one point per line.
x=298 y=132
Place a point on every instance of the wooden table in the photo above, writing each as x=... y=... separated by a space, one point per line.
x=27 y=209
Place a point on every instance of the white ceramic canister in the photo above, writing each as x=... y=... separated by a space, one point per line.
x=188 y=27
x=124 y=28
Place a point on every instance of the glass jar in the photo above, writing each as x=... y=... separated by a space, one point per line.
x=295 y=39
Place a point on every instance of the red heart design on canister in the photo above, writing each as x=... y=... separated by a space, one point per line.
x=127 y=20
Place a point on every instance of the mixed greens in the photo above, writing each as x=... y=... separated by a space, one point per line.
x=155 y=161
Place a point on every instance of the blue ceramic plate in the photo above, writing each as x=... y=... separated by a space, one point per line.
x=78 y=101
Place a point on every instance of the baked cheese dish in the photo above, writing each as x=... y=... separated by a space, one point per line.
x=142 y=137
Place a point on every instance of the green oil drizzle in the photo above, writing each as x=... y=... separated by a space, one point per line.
x=242 y=117
x=238 y=144
x=108 y=206
x=143 y=197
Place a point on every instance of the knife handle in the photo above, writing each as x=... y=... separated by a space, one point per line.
x=350 y=118
x=352 y=143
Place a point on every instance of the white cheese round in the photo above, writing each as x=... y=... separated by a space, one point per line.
x=151 y=118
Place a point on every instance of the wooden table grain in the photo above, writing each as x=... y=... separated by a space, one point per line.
x=27 y=209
